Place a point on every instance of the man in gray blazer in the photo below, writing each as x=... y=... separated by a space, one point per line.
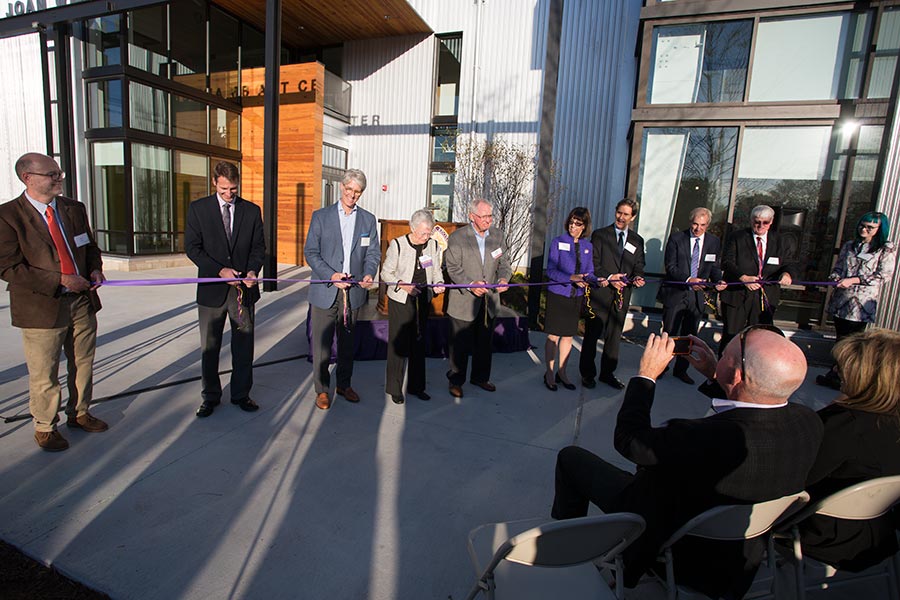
x=475 y=255
x=342 y=244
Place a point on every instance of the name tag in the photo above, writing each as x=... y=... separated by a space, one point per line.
x=425 y=261
x=630 y=248
x=496 y=253
x=773 y=260
x=364 y=241
x=709 y=258
x=565 y=246
x=82 y=240
x=864 y=256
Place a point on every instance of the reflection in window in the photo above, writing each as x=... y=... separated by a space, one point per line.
x=148 y=108
x=443 y=144
x=147 y=40
x=862 y=177
x=191 y=183
x=102 y=42
x=105 y=103
x=442 y=195
x=108 y=190
x=887 y=48
x=223 y=128
x=150 y=176
x=700 y=62
x=188 y=40
x=223 y=54
x=188 y=119
x=446 y=95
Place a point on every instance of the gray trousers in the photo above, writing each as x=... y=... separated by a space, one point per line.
x=325 y=321
x=212 y=325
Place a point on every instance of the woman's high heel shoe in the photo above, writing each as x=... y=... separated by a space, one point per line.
x=550 y=386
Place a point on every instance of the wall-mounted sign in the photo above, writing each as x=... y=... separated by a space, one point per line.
x=24 y=7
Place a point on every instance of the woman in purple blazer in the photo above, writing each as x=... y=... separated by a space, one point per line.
x=571 y=264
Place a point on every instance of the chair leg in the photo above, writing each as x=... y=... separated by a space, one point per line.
x=799 y=575
x=672 y=590
x=620 y=575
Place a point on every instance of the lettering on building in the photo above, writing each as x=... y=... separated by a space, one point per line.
x=365 y=120
x=24 y=7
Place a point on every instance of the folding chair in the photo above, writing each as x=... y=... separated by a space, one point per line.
x=505 y=556
x=732 y=522
x=860 y=502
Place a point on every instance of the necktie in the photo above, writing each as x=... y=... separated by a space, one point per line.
x=759 y=251
x=621 y=243
x=226 y=220
x=66 y=264
x=695 y=258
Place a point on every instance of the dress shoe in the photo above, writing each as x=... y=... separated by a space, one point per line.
x=685 y=378
x=550 y=386
x=456 y=391
x=246 y=404
x=485 y=385
x=51 y=441
x=397 y=398
x=611 y=380
x=207 y=408
x=566 y=384
x=348 y=393
x=323 y=401
x=87 y=422
x=423 y=395
x=588 y=382
x=829 y=379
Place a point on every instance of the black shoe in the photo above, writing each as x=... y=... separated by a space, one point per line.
x=550 y=386
x=611 y=380
x=246 y=404
x=565 y=384
x=420 y=395
x=588 y=382
x=397 y=398
x=207 y=408
x=830 y=380
x=685 y=378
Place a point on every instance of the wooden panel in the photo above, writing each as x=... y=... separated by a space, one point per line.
x=301 y=117
x=316 y=23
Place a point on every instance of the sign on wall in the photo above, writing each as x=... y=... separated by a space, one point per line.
x=24 y=7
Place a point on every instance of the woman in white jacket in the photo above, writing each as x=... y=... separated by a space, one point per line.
x=410 y=262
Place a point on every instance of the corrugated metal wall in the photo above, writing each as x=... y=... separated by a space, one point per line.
x=889 y=203
x=22 y=117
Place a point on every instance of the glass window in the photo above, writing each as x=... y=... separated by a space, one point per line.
x=443 y=144
x=188 y=119
x=446 y=95
x=253 y=48
x=105 y=103
x=102 y=42
x=188 y=28
x=223 y=128
x=808 y=58
x=442 y=195
x=862 y=177
x=887 y=48
x=108 y=189
x=149 y=108
x=702 y=62
x=334 y=157
x=191 y=183
x=223 y=54
x=147 y=41
x=150 y=176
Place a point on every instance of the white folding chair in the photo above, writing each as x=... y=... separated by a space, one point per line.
x=860 y=502
x=508 y=556
x=732 y=522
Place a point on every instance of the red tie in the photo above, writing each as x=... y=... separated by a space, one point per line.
x=67 y=265
x=759 y=251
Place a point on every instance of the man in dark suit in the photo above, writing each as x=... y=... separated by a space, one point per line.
x=756 y=447
x=224 y=238
x=52 y=263
x=475 y=255
x=618 y=261
x=753 y=255
x=342 y=243
x=692 y=256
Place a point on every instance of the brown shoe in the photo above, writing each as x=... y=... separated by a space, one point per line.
x=51 y=441
x=87 y=422
x=348 y=393
x=323 y=401
x=485 y=385
x=456 y=391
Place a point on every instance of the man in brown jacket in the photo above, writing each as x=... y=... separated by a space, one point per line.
x=52 y=263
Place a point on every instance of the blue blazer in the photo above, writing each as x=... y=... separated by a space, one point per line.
x=324 y=252
x=561 y=264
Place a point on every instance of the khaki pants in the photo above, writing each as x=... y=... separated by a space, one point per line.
x=78 y=339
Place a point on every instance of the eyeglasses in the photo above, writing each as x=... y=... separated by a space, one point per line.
x=54 y=175
x=576 y=224
x=756 y=222
x=868 y=227
x=483 y=216
x=744 y=334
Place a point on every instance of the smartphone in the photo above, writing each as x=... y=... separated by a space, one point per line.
x=683 y=345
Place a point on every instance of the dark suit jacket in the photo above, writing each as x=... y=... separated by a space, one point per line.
x=607 y=262
x=740 y=258
x=30 y=263
x=857 y=446
x=743 y=455
x=207 y=246
x=678 y=266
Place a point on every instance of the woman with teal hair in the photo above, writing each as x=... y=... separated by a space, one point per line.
x=863 y=264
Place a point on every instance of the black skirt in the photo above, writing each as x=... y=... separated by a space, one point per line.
x=561 y=314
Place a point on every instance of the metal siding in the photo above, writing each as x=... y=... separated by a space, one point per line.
x=889 y=203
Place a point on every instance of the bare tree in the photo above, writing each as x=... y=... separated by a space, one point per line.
x=502 y=172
